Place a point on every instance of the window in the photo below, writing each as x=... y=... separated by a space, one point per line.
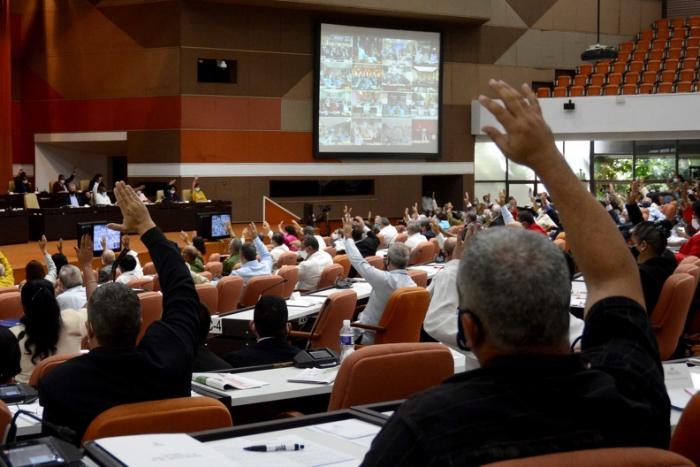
x=210 y=70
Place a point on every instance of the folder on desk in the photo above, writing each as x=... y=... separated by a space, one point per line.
x=315 y=376
x=225 y=381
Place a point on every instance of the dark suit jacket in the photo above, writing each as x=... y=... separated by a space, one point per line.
x=160 y=367
x=206 y=360
x=265 y=352
x=65 y=199
x=653 y=274
x=368 y=245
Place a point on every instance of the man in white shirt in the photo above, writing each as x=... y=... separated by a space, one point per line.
x=414 y=235
x=386 y=230
x=100 y=195
x=73 y=293
x=127 y=267
x=278 y=246
x=383 y=282
x=310 y=231
x=311 y=268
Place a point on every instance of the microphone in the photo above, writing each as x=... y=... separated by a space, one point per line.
x=62 y=432
x=283 y=281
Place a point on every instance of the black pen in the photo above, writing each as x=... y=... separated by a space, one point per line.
x=274 y=447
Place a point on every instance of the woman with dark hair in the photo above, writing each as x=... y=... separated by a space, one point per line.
x=45 y=330
x=9 y=356
x=656 y=263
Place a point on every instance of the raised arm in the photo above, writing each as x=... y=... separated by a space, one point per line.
x=367 y=271
x=50 y=265
x=600 y=251
x=265 y=257
x=84 y=254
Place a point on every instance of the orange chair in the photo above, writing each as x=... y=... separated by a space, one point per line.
x=674 y=54
x=606 y=457
x=687 y=74
x=330 y=250
x=684 y=440
x=692 y=52
x=559 y=92
x=658 y=44
x=664 y=34
x=149 y=269
x=664 y=88
x=145 y=283
x=677 y=23
x=640 y=55
x=647 y=35
x=215 y=268
x=629 y=89
x=229 y=290
x=5 y=419
x=288 y=258
x=261 y=285
x=338 y=306
x=656 y=54
x=580 y=80
x=151 y=310
x=543 y=92
x=649 y=77
x=586 y=68
x=291 y=273
x=632 y=77
x=376 y=262
x=636 y=65
x=671 y=64
x=344 y=261
x=615 y=78
x=209 y=296
x=669 y=315
x=419 y=277
x=668 y=76
x=676 y=43
x=597 y=79
x=402 y=318
x=424 y=252
x=436 y=247
x=611 y=90
x=404 y=369
x=679 y=33
x=693 y=41
x=593 y=90
x=401 y=238
x=214 y=257
x=691 y=269
x=602 y=67
x=684 y=86
x=47 y=365
x=653 y=65
x=179 y=415
x=330 y=275
x=620 y=66
x=693 y=21
x=156 y=283
x=661 y=23
x=645 y=88
x=562 y=81
x=11 y=305
x=8 y=289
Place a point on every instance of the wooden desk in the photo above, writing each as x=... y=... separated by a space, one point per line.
x=15 y=226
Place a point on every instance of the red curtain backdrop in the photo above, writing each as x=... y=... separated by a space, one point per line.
x=5 y=96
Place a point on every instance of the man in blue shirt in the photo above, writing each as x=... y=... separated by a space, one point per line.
x=250 y=265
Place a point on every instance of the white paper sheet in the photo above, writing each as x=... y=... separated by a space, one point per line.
x=677 y=376
x=348 y=429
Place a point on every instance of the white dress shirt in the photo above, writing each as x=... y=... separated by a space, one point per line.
x=277 y=251
x=415 y=239
x=383 y=285
x=74 y=298
x=311 y=268
x=126 y=277
x=102 y=199
x=388 y=233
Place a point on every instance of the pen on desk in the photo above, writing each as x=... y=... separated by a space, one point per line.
x=274 y=447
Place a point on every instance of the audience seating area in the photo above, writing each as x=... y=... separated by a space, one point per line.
x=660 y=60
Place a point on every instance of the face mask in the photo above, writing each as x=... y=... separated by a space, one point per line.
x=196 y=189
x=696 y=224
x=609 y=207
x=646 y=205
x=378 y=226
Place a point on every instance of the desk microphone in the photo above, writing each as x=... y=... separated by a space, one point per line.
x=283 y=281
x=62 y=432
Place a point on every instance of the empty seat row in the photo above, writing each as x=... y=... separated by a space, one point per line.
x=619 y=89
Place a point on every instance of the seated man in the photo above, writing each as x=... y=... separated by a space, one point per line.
x=386 y=230
x=310 y=231
x=61 y=186
x=116 y=371
x=270 y=328
x=127 y=269
x=368 y=245
x=528 y=222
x=192 y=259
x=311 y=268
x=383 y=282
x=415 y=236
x=71 y=291
x=531 y=395
x=250 y=265
x=73 y=197
x=234 y=256
x=105 y=273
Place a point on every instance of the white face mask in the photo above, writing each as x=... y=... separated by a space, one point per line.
x=696 y=224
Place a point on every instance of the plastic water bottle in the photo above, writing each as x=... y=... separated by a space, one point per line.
x=347 y=338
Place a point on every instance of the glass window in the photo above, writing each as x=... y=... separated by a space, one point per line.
x=489 y=162
x=521 y=192
x=612 y=167
x=613 y=147
x=493 y=188
x=689 y=159
x=519 y=172
x=578 y=156
x=656 y=161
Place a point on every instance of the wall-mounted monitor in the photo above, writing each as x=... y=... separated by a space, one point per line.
x=377 y=92
x=212 y=225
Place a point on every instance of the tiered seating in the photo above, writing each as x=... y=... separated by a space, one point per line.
x=663 y=59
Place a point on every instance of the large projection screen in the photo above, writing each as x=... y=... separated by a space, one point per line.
x=377 y=93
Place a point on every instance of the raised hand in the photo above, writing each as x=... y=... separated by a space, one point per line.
x=266 y=226
x=633 y=195
x=84 y=253
x=136 y=216
x=59 y=245
x=347 y=225
x=42 y=244
x=103 y=242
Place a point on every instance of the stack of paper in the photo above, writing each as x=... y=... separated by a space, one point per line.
x=316 y=376
x=224 y=381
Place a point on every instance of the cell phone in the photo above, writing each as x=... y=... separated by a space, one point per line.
x=97 y=231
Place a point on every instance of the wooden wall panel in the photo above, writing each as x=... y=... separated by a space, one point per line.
x=153 y=146
x=246 y=146
x=230 y=113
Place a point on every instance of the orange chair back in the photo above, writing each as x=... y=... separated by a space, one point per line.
x=403 y=315
x=215 y=268
x=684 y=440
x=402 y=237
x=607 y=457
x=668 y=317
x=214 y=258
x=344 y=261
x=329 y=275
x=145 y=283
x=691 y=269
x=11 y=305
x=419 y=277
x=149 y=269
x=209 y=295
x=5 y=419
x=424 y=252
x=207 y=274
x=291 y=273
x=266 y=285
x=229 y=290
x=179 y=415
x=337 y=307
x=288 y=258
x=436 y=247
x=376 y=262
x=156 y=283
x=151 y=310
x=8 y=289
x=403 y=369
x=330 y=250
x=45 y=366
